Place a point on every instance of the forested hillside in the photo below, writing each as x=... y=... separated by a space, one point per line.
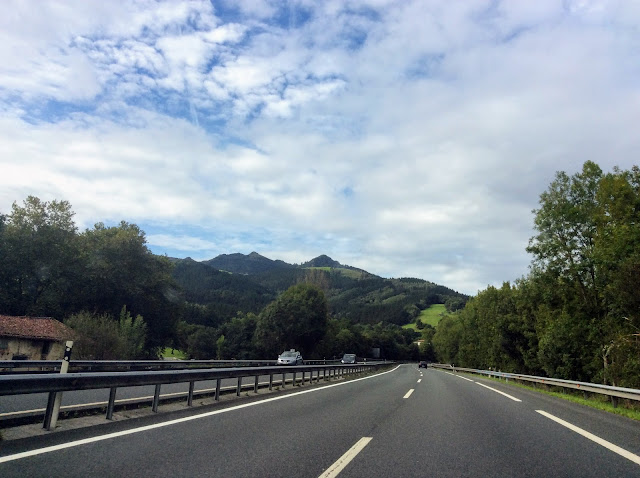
x=213 y=297
x=126 y=302
x=352 y=294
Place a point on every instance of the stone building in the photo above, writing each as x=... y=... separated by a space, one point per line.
x=32 y=338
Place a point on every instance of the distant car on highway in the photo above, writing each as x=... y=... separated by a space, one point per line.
x=423 y=364
x=348 y=358
x=290 y=357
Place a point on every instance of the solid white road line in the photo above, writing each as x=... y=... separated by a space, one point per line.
x=408 y=394
x=345 y=459
x=62 y=446
x=600 y=441
x=501 y=393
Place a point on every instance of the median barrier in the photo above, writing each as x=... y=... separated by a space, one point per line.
x=18 y=384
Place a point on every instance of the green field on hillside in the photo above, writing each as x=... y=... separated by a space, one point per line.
x=341 y=270
x=169 y=353
x=431 y=315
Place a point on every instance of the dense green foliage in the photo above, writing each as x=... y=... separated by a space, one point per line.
x=577 y=314
x=47 y=268
x=214 y=297
x=89 y=279
x=351 y=293
x=298 y=317
x=100 y=337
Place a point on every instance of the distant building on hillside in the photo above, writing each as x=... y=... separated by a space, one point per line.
x=32 y=338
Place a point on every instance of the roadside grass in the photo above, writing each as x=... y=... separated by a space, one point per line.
x=411 y=326
x=432 y=315
x=600 y=402
x=168 y=352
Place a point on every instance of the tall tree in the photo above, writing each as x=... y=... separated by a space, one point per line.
x=296 y=319
x=122 y=271
x=39 y=262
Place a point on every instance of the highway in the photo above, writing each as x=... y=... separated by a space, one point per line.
x=407 y=422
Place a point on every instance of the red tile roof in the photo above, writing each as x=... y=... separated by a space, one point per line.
x=34 y=328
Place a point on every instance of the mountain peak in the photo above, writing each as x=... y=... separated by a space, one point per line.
x=322 y=261
x=238 y=263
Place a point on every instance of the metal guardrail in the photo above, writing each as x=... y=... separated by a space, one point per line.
x=8 y=366
x=18 y=384
x=614 y=393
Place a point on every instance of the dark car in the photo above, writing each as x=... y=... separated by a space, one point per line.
x=423 y=364
x=348 y=358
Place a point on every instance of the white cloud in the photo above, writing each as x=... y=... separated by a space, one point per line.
x=180 y=243
x=407 y=138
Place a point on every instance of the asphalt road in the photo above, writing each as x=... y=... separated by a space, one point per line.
x=404 y=423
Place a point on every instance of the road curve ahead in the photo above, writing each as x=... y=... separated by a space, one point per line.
x=407 y=422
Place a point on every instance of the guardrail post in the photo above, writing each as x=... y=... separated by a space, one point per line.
x=239 y=387
x=303 y=377
x=112 y=403
x=190 y=396
x=284 y=375
x=270 y=381
x=255 y=384
x=51 y=416
x=614 y=401
x=49 y=412
x=156 y=399
x=218 y=389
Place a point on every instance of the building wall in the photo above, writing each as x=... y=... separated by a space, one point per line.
x=12 y=348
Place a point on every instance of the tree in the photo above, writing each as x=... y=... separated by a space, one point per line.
x=427 y=352
x=133 y=334
x=575 y=316
x=122 y=271
x=296 y=319
x=39 y=264
x=102 y=337
x=202 y=343
x=238 y=338
x=566 y=264
x=566 y=225
x=446 y=340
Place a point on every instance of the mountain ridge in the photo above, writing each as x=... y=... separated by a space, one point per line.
x=219 y=288
x=255 y=263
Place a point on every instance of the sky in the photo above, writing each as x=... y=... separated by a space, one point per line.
x=407 y=138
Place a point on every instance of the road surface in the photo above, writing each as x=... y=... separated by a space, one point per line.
x=407 y=422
